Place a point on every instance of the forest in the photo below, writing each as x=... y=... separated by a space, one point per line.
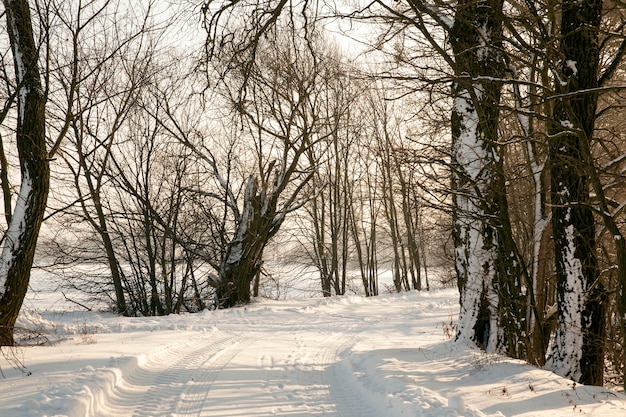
x=162 y=156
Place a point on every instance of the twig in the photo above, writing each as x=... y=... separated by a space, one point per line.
x=75 y=302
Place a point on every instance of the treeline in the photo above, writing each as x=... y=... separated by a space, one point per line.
x=536 y=170
x=171 y=170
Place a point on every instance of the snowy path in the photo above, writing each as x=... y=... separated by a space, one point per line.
x=265 y=373
x=387 y=356
x=172 y=380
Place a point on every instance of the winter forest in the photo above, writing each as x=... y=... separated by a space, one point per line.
x=165 y=157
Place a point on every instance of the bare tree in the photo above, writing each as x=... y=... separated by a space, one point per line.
x=278 y=111
x=579 y=345
x=101 y=62
x=332 y=185
x=20 y=240
x=365 y=210
x=400 y=196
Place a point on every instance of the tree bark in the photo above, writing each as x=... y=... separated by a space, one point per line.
x=487 y=267
x=578 y=349
x=243 y=260
x=21 y=237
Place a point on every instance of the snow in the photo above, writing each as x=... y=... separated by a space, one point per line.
x=386 y=356
x=571 y=65
x=484 y=39
x=471 y=154
x=20 y=68
x=567 y=350
x=441 y=16
x=480 y=278
x=16 y=228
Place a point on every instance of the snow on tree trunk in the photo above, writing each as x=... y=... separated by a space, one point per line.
x=486 y=258
x=21 y=238
x=475 y=248
x=578 y=348
x=243 y=259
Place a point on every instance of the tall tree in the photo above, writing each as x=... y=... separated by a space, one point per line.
x=277 y=100
x=487 y=261
x=21 y=237
x=468 y=36
x=578 y=348
x=484 y=263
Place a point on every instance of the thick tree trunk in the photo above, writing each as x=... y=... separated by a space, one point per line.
x=21 y=237
x=234 y=287
x=475 y=235
x=243 y=260
x=578 y=349
x=474 y=280
x=486 y=261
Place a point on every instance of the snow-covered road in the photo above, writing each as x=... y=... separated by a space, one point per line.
x=261 y=366
x=386 y=356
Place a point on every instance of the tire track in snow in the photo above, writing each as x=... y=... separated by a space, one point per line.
x=197 y=390
x=321 y=380
x=267 y=374
x=295 y=374
x=310 y=364
x=315 y=383
x=343 y=386
x=153 y=388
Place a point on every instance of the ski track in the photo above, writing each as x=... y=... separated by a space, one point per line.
x=296 y=375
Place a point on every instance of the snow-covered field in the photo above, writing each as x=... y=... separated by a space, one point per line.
x=386 y=356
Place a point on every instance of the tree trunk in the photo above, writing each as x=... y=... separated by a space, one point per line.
x=21 y=237
x=354 y=230
x=100 y=225
x=399 y=270
x=318 y=214
x=372 y=251
x=243 y=259
x=116 y=277
x=486 y=264
x=538 y=325
x=578 y=350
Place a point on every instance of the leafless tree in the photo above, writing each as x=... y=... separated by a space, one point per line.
x=331 y=187
x=20 y=239
x=101 y=61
